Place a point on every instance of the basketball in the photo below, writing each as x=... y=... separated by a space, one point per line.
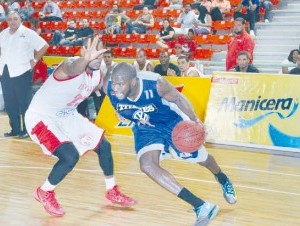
x=188 y=136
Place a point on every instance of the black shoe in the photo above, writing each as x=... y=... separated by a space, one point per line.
x=10 y=134
x=23 y=135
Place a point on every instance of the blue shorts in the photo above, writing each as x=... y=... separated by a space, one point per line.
x=159 y=137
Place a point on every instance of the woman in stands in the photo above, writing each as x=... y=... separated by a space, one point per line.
x=165 y=38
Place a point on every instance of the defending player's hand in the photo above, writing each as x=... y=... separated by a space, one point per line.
x=90 y=51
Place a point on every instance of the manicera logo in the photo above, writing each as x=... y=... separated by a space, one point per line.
x=282 y=107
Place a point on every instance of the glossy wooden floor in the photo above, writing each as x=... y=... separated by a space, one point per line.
x=268 y=188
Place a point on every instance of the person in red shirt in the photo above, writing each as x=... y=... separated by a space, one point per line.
x=242 y=41
x=188 y=43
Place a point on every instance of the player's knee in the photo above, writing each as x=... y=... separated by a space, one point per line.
x=67 y=154
x=147 y=167
x=104 y=148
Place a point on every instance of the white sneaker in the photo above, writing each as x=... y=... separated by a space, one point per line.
x=252 y=34
x=267 y=21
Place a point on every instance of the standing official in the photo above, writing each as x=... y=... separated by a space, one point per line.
x=21 y=48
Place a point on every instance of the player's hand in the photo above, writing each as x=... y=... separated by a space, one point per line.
x=171 y=72
x=90 y=52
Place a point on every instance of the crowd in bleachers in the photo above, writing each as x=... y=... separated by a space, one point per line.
x=199 y=27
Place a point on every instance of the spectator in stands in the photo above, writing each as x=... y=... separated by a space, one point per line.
x=267 y=5
x=186 y=69
x=242 y=41
x=291 y=61
x=150 y=4
x=178 y=52
x=51 y=12
x=82 y=34
x=165 y=38
x=13 y=5
x=107 y=64
x=2 y=13
x=219 y=9
x=67 y=36
x=296 y=70
x=203 y=7
x=166 y=67
x=141 y=24
x=186 y=18
x=141 y=62
x=252 y=15
x=188 y=43
x=175 y=4
x=114 y=20
x=26 y=11
x=202 y=27
x=243 y=63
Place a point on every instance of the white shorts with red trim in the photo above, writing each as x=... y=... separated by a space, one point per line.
x=50 y=132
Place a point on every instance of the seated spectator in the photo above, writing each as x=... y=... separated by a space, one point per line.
x=243 y=63
x=141 y=63
x=150 y=4
x=141 y=24
x=107 y=64
x=175 y=4
x=202 y=27
x=13 y=5
x=178 y=52
x=166 y=67
x=252 y=15
x=203 y=7
x=2 y=14
x=296 y=70
x=219 y=8
x=165 y=38
x=66 y=37
x=267 y=5
x=114 y=20
x=26 y=11
x=82 y=34
x=51 y=12
x=188 y=43
x=186 y=69
x=186 y=18
x=292 y=59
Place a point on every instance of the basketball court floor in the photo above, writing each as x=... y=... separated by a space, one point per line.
x=268 y=187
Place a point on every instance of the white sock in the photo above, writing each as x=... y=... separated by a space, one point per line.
x=110 y=182
x=47 y=186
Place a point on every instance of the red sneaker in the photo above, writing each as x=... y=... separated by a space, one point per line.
x=47 y=198
x=114 y=196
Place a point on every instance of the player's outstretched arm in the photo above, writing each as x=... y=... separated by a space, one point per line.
x=167 y=91
x=72 y=67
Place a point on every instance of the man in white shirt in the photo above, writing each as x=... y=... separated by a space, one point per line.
x=21 y=48
x=186 y=69
x=187 y=19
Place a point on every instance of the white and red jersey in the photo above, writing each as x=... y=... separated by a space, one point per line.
x=60 y=98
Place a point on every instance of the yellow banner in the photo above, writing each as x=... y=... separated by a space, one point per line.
x=194 y=88
x=260 y=109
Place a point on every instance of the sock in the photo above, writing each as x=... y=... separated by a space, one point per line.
x=222 y=178
x=109 y=183
x=190 y=198
x=47 y=186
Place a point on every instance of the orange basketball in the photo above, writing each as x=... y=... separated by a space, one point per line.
x=188 y=136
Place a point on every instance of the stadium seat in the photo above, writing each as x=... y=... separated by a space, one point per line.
x=152 y=53
x=203 y=54
x=225 y=25
x=126 y=38
x=220 y=42
x=27 y=24
x=58 y=25
x=97 y=25
x=128 y=3
x=47 y=36
x=52 y=50
x=203 y=39
x=38 y=5
x=45 y=25
x=262 y=12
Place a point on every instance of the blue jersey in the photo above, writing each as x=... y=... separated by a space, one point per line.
x=148 y=106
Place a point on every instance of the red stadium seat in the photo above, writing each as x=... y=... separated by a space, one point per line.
x=203 y=39
x=152 y=53
x=203 y=54
x=47 y=36
x=38 y=5
x=222 y=25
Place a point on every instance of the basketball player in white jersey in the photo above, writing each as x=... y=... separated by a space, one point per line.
x=53 y=122
x=185 y=68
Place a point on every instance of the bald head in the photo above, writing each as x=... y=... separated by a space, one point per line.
x=125 y=71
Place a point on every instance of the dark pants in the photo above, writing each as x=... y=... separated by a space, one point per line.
x=140 y=29
x=17 y=95
x=51 y=18
x=216 y=14
x=251 y=17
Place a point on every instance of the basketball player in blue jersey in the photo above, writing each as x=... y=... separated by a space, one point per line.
x=156 y=107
